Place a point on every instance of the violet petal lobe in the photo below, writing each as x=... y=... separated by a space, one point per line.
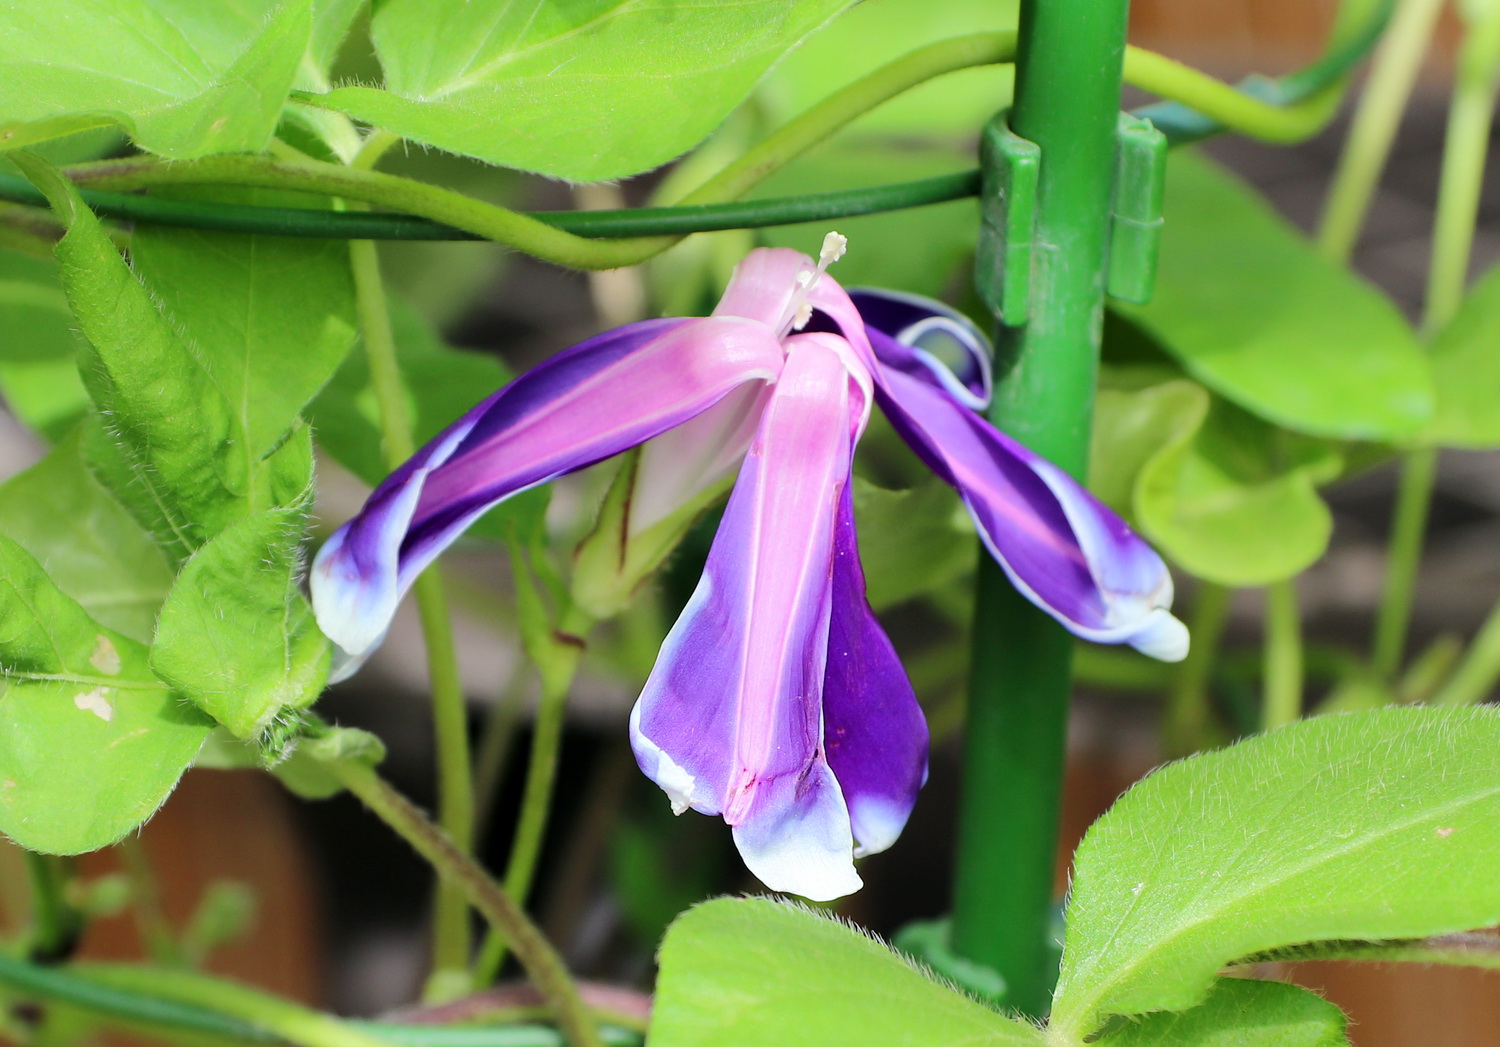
x=587 y=403
x=730 y=721
x=873 y=728
x=1061 y=547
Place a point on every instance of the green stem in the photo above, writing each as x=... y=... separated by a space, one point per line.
x=449 y=713
x=1067 y=100
x=1234 y=109
x=1187 y=716
x=1282 y=701
x=1477 y=674
x=558 y=668
x=1393 y=74
x=848 y=104
x=1403 y=559
x=493 y=752
x=151 y=920
x=540 y=960
x=56 y=925
x=286 y=1021
x=1465 y=148
x=150 y=1003
x=386 y=225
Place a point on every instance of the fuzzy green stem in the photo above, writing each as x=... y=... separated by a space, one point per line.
x=537 y=956
x=451 y=939
x=558 y=668
x=1187 y=715
x=1393 y=74
x=1282 y=701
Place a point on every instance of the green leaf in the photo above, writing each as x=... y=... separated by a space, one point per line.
x=1240 y=1012
x=271 y=317
x=236 y=635
x=86 y=541
x=525 y=85
x=1226 y=496
x=183 y=77
x=182 y=468
x=911 y=541
x=38 y=348
x=1466 y=371
x=1373 y=825
x=91 y=742
x=22 y=134
x=34 y=319
x=749 y=972
x=330 y=24
x=47 y=397
x=1250 y=309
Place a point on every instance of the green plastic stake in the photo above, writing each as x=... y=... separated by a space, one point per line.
x=1007 y=222
x=1136 y=217
x=1067 y=100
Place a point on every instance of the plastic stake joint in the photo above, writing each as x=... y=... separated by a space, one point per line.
x=1007 y=230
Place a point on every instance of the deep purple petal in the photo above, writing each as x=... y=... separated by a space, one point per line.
x=873 y=728
x=730 y=720
x=929 y=340
x=589 y=402
x=1063 y=549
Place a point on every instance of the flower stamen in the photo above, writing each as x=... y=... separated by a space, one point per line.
x=798 y=309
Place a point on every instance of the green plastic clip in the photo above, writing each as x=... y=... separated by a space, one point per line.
x=1002 y=270
x=1135 y=219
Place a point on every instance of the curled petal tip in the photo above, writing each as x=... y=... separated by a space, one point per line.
x=1162 y=637
x=797 y=839
x=354 y=579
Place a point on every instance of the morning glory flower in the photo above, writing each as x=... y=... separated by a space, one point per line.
x=777 y=701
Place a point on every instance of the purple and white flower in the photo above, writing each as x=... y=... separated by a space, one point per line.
x=777 y=702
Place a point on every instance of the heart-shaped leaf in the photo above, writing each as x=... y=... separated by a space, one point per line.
x=586 y=92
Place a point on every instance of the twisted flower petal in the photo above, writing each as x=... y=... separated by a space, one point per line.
x=1061 y=547
x=731 y=720
x=587 y=403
